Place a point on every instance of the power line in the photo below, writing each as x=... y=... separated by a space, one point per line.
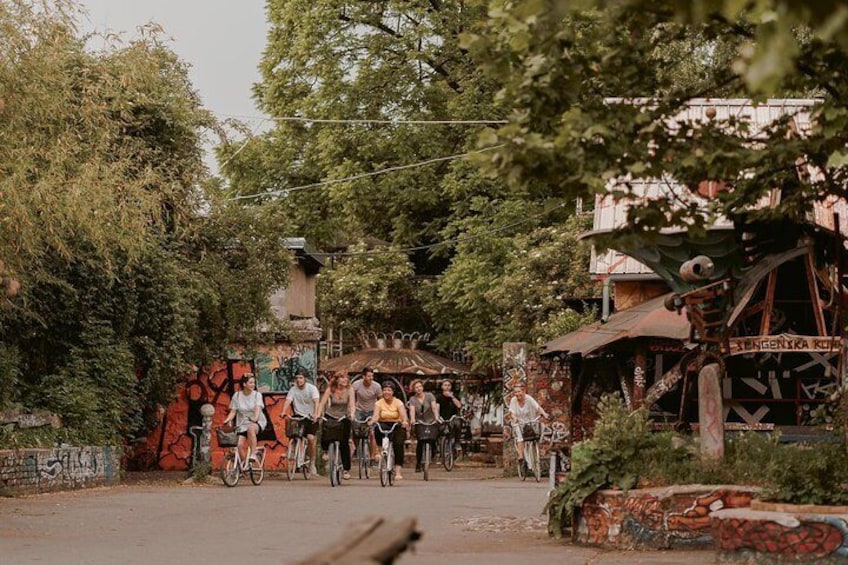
x=286 y=191
x=443 y=242
x=364 y=121
x=243 y=145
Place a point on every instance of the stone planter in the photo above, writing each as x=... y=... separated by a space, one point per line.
x=782 y=533
x=656 y=518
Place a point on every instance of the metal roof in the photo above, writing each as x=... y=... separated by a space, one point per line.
x=648 y=319
x=396 y=362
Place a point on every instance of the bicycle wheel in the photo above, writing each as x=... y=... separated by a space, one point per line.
x=391 y=466
x=332 y=466
x=384 y=469
x=537 y=461
x=447 y=453
x=425 y=461
x=230 y=473
x=291 y=458
x=305 y=464
x=257 y=468
x=521 y=464
x=364 y=458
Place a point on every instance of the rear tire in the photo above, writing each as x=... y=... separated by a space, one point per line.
x=364 y=459
x=291 y=458
x=522 y=472
x=425 y=461
x=257 y=469
x=332 y=453
x=447 y=453
x=230 y=473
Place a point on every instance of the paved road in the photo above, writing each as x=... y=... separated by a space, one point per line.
x=467 y=516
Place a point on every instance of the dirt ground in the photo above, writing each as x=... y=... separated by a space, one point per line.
x=466 y=516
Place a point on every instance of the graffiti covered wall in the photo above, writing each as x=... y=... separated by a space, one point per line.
x=25 y=471
x=660 y=518
x=169 y=446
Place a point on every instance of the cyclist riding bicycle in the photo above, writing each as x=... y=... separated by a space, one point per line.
x=246 y=409
x=304 y=398
x=366 y=393
x=523 y=408
x=387 y=411
x=338 y=402
x=423 y=409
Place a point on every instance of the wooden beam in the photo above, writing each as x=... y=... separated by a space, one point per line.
x=368 y=542
x=768 y=303
x=815 y=299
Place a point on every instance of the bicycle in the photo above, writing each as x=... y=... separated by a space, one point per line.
x=332 y=432
x=387 y=455
x=362 y=432
x=531 y=432
x=296 y=457
x=235 y=467
x=449 y=445
x=426 y=432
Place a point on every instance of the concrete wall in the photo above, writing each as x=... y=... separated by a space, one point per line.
x=298 y=298
x=24 y=471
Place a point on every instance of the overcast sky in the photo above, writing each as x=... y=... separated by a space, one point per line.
x=222 y=41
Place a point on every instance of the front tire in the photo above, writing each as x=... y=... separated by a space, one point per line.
x=447 y=453
x=537 y=464
x=306 y=466
x=230 y=473
x=257 y=469
x=332 y=453
x=291 y=459
x=384 y=470
x=425 y=461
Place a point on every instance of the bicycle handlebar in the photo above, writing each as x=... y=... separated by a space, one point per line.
x=386 y=432
x=332 y=418
x=299 y=418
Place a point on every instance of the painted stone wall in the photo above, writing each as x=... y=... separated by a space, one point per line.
x=25 y=471
x=659 y=518
x=169 y=446
x=748 y=535
x=548 y=381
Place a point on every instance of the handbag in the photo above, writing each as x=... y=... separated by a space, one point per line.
x=227 y=437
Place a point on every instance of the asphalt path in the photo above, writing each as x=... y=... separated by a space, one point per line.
x=466 y=516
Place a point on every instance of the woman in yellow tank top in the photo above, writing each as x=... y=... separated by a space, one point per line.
x=388 y=410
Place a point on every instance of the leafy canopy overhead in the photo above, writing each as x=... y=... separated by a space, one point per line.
x=559 y=66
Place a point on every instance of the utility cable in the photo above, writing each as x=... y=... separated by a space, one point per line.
x=286 y=191
x=364 y=121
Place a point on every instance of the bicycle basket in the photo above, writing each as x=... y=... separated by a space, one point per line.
x=227 y=437
x=451 y=427
x=360 y=430
x=294 y=428
x=333 y=430
x=426 y=431
x=531 y=431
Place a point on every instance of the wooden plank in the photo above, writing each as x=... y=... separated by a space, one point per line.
x=371 y=541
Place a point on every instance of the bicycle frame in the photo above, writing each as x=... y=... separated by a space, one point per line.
x=296 y=458
x=234 y=467
x=447 y=444
x=387 y=454
x=363 y=451
x=531 y=454
x=334 y=458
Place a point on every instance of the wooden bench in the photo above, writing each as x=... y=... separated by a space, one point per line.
x=373 y=540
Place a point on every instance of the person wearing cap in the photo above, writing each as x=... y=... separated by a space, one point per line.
x=387 y=411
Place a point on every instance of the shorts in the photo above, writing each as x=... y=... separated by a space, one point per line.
x=310 y=427
x=363 y=414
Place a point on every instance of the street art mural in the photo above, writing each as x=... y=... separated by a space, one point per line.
x=662 y=518
x=769 y=537
x=170 y=445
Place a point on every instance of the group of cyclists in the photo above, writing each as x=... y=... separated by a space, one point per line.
x=362 y=401
x=369 y=402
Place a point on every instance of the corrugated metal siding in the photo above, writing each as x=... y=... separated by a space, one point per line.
x=610 y=214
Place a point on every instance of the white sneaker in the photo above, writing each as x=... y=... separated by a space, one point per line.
x=313 y=470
